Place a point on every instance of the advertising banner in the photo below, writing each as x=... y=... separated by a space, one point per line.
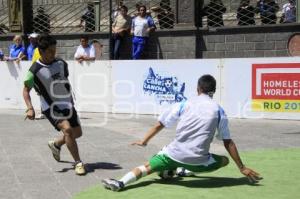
x=246 y=88
x=261 y=87
x=148 y=87
x=12 y=77
x=276 y=87
x=91 y=85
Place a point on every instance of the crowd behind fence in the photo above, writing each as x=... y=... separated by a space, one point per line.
x=75 y=16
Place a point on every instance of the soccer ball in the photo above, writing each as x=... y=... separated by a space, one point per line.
x=166 y=174
x=168 y=83
x=182 y=172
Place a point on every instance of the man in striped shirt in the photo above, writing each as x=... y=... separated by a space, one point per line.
x=49 y=77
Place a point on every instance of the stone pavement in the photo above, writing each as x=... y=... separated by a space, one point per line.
x=28 y=170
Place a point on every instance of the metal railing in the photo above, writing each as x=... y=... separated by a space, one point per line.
x=94 y=15
x=63 y=16
x=218 y=13
x=73 y=16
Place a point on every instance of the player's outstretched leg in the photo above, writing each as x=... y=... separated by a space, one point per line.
x=130 y=177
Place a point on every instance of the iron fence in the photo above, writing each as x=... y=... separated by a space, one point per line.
x=73 y=16
x=4 y=24
x=91 y=15
x=218 y=13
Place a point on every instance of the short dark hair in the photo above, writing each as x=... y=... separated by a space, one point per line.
x=124 y=8
x=85 y=37
x=45 y=41
x=207 y=84
x=142 y=6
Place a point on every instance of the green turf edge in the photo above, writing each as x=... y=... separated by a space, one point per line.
x=278 y=167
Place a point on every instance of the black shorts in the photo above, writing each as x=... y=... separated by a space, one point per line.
x=56 y=116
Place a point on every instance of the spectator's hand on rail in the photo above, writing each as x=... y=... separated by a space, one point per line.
x=18 y=60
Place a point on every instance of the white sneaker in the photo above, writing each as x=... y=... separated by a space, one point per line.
x=182 y=172
x=55 y=151
x=79 y=169
x=112 y=184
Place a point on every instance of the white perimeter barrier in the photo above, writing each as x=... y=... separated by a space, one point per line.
x=246 y=88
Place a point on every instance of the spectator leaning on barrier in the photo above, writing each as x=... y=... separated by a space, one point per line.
x=288 y=12
x=32 y=46
x=245 y=13
x=142 y=25
x=16 y=50
x=98 y=49
x=120 y=28
x=214 y=12
x=1 y=55
x=267 y=10
x=86 y=51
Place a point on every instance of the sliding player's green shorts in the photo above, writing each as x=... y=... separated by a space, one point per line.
x=161 y=162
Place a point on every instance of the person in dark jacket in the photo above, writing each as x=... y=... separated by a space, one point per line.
x=89 y=19
x=41 y=22
x=267 y=10
x=245 y=13
x=214 y=12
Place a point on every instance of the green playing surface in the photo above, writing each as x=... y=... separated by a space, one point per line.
x=279 y=169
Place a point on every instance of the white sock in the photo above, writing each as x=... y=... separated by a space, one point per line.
x=128 y=178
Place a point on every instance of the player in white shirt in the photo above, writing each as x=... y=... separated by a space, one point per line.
x=86 y=51
x=198 y=119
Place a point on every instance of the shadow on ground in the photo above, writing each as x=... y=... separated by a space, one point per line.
x=292 y=133
x=91 y=167
x=197 y=182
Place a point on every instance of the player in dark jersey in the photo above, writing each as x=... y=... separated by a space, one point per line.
x=49 y=77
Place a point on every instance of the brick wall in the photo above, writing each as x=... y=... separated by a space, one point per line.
x=234 y=42
x=221 y=43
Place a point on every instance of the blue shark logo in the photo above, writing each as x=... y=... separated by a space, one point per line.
x=165 y=89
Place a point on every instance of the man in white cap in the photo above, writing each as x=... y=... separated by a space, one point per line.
x=32 y=46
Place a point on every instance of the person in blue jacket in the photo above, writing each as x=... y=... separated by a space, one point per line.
x=16 y=50
x=32 y=46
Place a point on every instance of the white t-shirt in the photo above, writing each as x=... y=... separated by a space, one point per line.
x=198 y=119
x=140 y=25
x=89 y=51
